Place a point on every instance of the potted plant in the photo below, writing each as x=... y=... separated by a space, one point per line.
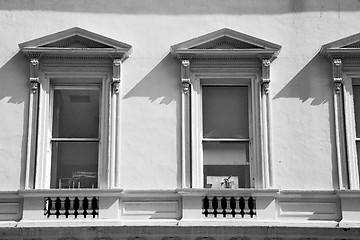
x=227 y=183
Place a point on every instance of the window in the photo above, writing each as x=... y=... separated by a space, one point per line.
x=225 y=122
x=344 y=56
x=73 y=134
x=356 y=97
x=75 y=139
x=226 y=135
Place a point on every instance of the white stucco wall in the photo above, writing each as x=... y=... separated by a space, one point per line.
x=301 y=92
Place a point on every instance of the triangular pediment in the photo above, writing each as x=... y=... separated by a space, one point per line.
x=76 y=41
x=352 y=45
x=225 y=43
x=345 y=47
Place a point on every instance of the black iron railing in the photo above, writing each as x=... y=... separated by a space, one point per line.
x=229 y=207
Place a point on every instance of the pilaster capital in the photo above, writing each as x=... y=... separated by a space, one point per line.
x=337 y=85
x=185 y=85
x=185 y=62
x=337 y=74
x=34 y=74
x=185 y=75
x=265 y=85
x=265 y=76
x=116 y=79
x=266 y=62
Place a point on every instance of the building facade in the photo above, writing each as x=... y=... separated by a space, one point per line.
x=179 y=119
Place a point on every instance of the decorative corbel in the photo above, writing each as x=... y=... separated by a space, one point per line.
x=265 y=75
x=185 y=75
x=34 y=74
x=337 y=75
x=116 y=75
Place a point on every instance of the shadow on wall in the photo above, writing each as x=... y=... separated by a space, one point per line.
x=13 y=77
x=163 y=82
x=310 y=82
x=181 y=7
x=314 y=83
x=15 y=88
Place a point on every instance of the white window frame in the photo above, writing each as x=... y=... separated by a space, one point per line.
x=44 y=150
x=351 y=79
x=59 y=55
x=221 y=54
x=344 y=57
x=252 y=81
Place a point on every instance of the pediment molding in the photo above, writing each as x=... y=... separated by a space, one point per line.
x=76 y=42
x=348 y=47
x=226 y=44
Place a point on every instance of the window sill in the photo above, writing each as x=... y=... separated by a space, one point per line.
x=228 y=192
x=74 y=192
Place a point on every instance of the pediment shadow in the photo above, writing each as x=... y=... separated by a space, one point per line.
x=310 y=82
x=314 y=83
x=163 y=81
x=15 y=89
x=162 y=85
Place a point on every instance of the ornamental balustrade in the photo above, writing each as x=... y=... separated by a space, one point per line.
x=76 y=207
x=227 y=207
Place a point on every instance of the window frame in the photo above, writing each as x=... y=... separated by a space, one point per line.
x=252 y=81
x=351 y=79
x=343 y=55
x=43 y=155
x=53 y=140
x=218 y=54
x=74 y=52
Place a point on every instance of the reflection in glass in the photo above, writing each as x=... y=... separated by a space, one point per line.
x=76 y=113
x=74 y=164
x=356 y=91
x=226 y=164
x=225 y=112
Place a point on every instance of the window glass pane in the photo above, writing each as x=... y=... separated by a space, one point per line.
x=356 y=91
x=226 y=165
x=358 y=155
x=225 y=112
x=76 y=113
x=74 y=164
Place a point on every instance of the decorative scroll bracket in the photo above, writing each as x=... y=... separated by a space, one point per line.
x=185 y=75
x=337 y=75
x=116 y=75
x=265 y=78
x=34 y=74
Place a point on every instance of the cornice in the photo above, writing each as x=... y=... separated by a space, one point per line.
x=225 y=54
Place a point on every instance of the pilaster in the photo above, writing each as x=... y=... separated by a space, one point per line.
x=114 y=166
x=32 y=123
x=185 y=117
x=267 y=175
